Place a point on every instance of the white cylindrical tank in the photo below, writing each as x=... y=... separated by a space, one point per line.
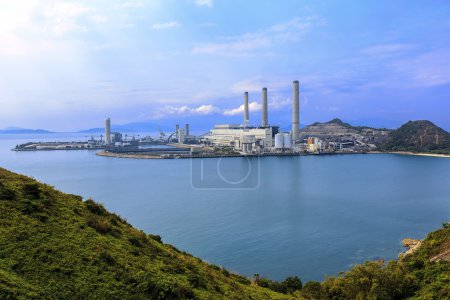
x=287 y=141
x=279 y=141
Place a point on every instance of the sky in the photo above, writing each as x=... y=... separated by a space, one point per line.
x=67 y=65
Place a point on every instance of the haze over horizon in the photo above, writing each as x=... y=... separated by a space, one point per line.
x=66 y=65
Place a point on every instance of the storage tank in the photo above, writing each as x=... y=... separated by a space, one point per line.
x=279 y=141
x=287 y=141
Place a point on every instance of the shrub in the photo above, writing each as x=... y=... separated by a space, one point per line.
x=289 y=285
x=136 y=241
x=370 y=280
x=292 y=284
x=107 y=258
x=32 y=190
x=100 y=224
x=156 y=238
x=95 y=208
x=197 y=281
x=7 y=194
x=312 y=290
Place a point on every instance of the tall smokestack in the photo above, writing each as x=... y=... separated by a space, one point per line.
x=265 y=121
x=108 y=131
x=246 y=115
x=295 y=111
x=186 y=129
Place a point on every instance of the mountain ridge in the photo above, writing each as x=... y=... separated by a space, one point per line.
x=418 y=136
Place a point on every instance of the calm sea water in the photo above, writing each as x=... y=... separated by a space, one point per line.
x=307 y=216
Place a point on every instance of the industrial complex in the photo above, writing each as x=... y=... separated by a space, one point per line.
x=260 y=139
x=243 y=139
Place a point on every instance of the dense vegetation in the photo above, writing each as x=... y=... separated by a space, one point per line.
x=415 y=276
x=54 y=245
x=418 y=136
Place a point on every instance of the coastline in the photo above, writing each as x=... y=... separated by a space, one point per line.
x=416 y=154
x=123 y=155
x=148 y=156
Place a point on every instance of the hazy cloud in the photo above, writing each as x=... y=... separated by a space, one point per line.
x=64 y=17
x=132 y=4
x=386 y=49
x=208 y=3
x=234 y=45
x=166 y=25
x=425 y=70
x=247 y=43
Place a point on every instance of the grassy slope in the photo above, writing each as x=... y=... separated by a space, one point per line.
x=53 y=245
x=414 y=276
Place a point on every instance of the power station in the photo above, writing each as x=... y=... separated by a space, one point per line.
x=231 y=140
x=241 y=138
x=265 y=137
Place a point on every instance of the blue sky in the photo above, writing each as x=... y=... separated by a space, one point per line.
x=68 y=65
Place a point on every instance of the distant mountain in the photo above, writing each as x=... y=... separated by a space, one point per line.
x=18 y=130
x=418 y=136
x=338 y=128
x=376 y=123
x=131 y=127
x=92 y=130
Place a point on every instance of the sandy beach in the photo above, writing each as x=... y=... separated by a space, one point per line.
x=411 y=153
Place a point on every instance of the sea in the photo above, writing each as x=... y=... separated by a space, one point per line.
x=307 y=216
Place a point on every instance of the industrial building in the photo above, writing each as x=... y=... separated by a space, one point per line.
x=243 y=138
x=246 y=139
x=265 y=137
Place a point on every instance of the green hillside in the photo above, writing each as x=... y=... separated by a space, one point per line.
x=418 y=136
x=424 y=274
x=54 y=245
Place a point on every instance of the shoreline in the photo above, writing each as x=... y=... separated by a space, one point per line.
x=149 y=156
x=212 y=155
x=412 y=153
x=122 y=155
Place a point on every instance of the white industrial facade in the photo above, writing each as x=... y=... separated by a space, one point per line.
x=236 y=137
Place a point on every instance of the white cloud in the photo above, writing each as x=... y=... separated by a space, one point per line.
x=247 y=86
x=294 y=29
x=252 y=107
x=247 y=43
x=208 y=3
x=425 y=70
x=63 y=17
x=235 y=45
x=277 y=103
x=205 y=109
x=132 y=4
x=166 y=25
x=99 y=19
x=386 y=49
